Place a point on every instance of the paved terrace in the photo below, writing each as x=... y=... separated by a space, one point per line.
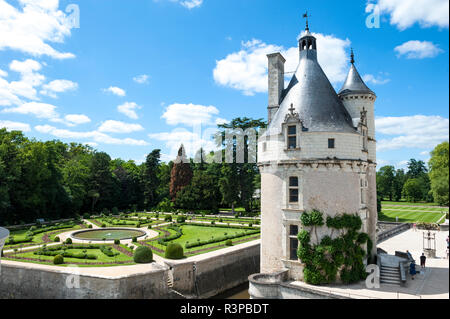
x=433 y=283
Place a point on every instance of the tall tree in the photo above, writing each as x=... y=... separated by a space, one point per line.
x=181 y=174
x=439 y=173
x=385 y=181
x=150 y=179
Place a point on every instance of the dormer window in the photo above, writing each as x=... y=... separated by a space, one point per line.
x=292 y=126
x=292 y=137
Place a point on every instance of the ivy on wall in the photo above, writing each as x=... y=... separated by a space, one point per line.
x=343 y=254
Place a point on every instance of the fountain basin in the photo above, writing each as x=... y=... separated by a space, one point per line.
x=108 y=234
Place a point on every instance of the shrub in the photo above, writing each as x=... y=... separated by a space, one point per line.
x=103 y=225
x=213 y=222
x=134 y=240
x=56 y=240
x=174 y=251
x=58 y=260
x=115 y=211
x=168 y=218
x=68 y=241
x=138 y=225
x=89 y=226
x=181 y=219
x=116 y=242
x=143 y=255
x=86 y=216
x=229 y=242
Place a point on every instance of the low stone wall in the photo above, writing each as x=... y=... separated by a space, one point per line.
x=393 y=230
x=26 y=282
x=274 y=286
x=207 y=276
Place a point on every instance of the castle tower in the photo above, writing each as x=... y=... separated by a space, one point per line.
x=313 y=156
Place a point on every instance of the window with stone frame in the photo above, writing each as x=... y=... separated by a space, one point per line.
x=293 y=247
x=293 y=189
x=292 y=137
x=331 y=143
x=363 y=187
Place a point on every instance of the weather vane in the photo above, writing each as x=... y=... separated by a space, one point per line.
x=306 y=16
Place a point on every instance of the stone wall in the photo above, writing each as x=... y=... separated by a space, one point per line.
x=207 y=276
x=27 y=282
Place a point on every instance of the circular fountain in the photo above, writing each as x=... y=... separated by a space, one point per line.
x=108 y=234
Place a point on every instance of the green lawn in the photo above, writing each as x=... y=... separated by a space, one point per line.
x=102 y=259
x=410 y=216
x=37 y=239
x=385 y=202
x=191 y=233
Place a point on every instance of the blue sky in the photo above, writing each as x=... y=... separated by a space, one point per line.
x=136 y=75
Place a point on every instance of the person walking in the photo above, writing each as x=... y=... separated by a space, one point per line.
x=423 y=259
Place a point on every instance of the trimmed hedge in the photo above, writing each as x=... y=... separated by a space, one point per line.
x=174 y=251
x=58 y=260
x=143 y=255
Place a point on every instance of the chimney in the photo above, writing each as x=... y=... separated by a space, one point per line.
x=276 y=83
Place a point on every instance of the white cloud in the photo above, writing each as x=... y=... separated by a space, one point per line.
x=417 y=50
x=141 y=79
x=10 y=92
x=405 y=13
x=129 y=109
x=40 y=110
x=246 y=70
x=111 y=126
x=191 y=4
x=3 y=74
x=115 y=90
x=15 y=126
x=97 y=136
x=189 y=114
x=76 y=119
x=220 y=121
x=377 y=80
x=32 y=25
x=418 y=131
x=425 y=153
x=58 y=86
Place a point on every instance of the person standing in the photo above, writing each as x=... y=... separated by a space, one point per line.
x=423 y=259
x=412 y=270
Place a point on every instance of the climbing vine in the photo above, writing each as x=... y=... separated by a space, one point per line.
x=342 y=255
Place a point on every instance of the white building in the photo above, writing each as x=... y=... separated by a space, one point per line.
x=318 y=153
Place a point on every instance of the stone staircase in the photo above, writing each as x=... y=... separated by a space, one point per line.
x=390 y=275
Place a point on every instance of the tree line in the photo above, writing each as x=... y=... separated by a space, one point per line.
x=54 y=180
x=418 y=182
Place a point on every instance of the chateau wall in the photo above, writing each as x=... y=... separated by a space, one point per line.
x=313 y=145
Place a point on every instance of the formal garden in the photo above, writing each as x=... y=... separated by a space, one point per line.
x=123 y=239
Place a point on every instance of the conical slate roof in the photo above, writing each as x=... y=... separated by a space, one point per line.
x=354 y=83
x=314 y=99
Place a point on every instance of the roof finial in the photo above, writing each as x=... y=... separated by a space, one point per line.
x=306 y=16
x=352 y=57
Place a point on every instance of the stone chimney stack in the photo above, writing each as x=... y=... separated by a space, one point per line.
x=276 y=83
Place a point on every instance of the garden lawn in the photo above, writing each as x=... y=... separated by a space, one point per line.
x=408 y=203
x=410 y=216
x=37 y=239
x=102 y=259
x=191 y=233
